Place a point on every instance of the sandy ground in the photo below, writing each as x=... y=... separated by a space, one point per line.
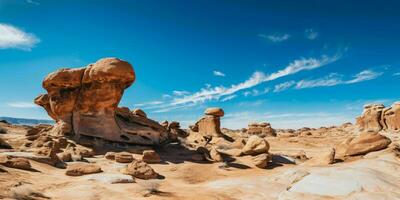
x=373 y=176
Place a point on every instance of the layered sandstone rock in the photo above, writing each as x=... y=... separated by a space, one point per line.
x=84 y=101
x=371 y=117
x=255 y=145
x=376 y=117
x=210 y=124
x=367 y=142
x=261 y=129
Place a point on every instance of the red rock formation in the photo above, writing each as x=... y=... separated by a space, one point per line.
x=261 y=129
x=84 y=101
x=376 y=117
x=210 y=124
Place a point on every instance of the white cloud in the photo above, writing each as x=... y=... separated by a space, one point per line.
x=230 y=97
x=218 y=73
x=12 y=37
x=396 y=74
x=284 y=86
x=180 y=93
x=364 y=76
x=257 y=78
x=275 y=38
x=21 y=104
x=330 y=80
x=311 y=34
x=255 y=92
x=33 y=2
x=147 y=104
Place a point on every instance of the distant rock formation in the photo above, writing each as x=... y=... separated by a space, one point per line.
x=210 y=124
x=84 y=101
x=261 y=129
x=376 y=117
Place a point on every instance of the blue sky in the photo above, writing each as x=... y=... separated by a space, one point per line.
x=294 y=64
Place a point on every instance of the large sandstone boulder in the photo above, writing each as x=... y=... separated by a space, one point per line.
x=371 y=117
x=255 y=145
x=210 y=124
x=391 y=117
x=261 y=129
x=84 y=101
x=367 y=142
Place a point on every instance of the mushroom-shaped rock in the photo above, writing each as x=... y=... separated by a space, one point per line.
x=218 y=112
x=84 y=101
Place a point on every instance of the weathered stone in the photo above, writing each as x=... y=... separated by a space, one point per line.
x=218 y=112
x=64 y=156
x=215 y=155
x=110 y=155
x=140 y=169
x=123 y=157
x=150 y=156
x=18 y=163
x=261 y=129
x=391 y=117
x=261 y=161
x=371 y=117
x=84 y=101
x=139 y=112
x=79 y=169
x=367 y=142
x=255 y=145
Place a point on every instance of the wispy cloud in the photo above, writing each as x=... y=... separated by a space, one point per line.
x=275 y=37
x=327 y=81
x=284 y=86
x=21 y=104
x=255 y=92
x=180 y=93
x=364 y=76
x=311 y=34
x=218 y=73
x=257 y=78
x=230 y=97
x=12 y=37
x=396 y=74
x=146 y=104
x=33 y=2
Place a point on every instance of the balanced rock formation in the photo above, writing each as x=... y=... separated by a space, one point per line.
x=367 y=142
x=376 y=117
x=210 y=124
x=261 y=129
x=84 y=101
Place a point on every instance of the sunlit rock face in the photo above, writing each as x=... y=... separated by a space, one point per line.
x=84 y=101
x=376 y=117
x=210 y=124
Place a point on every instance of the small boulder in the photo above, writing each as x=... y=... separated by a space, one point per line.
x=79 y=169
x=261 y=161
x=150 y=156
x=215 y=155
x=324 y=158
x=139 y=112
x=123 y=157
x=218 y=112
x=18 y=163
x=4 y=144
x=65 y=156
x=367 y=142
x=140 y=169
x=110 y=155
x=255 y=145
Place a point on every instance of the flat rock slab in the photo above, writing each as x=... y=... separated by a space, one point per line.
x=110 y=178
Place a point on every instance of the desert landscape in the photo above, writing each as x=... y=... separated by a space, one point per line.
x=97 y=150
x=199 y=100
